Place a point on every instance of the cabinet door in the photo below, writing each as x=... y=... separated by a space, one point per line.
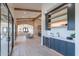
x=57 y=44
x=70 y=49
x=47 y=21
x=44 y=41
x=71 y=17
x=52 y=43
x=47 y=42
x=62 y=47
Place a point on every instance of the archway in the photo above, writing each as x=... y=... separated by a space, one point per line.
x=24 y=27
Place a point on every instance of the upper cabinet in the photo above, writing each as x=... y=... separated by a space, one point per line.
x=71 y=16
x=47 y=22
x=61 y=16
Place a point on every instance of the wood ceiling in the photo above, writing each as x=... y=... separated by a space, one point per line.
x=30 y=10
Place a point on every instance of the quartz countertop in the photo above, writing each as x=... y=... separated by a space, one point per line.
x=64 y=39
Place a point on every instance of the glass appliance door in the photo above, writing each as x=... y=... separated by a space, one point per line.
x=4 y=30
x=10 y=34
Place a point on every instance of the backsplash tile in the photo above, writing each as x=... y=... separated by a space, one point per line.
x=63 y=32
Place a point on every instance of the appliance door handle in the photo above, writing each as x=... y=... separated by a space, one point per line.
x=9 y=38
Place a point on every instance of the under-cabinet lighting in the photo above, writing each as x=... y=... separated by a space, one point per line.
x=58 y=24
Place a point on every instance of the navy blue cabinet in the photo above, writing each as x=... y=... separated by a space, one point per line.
x=44 y=40
x=60 y=46
x=52 y=43
x=47 y=41
x=71 y=17
x=57 y=43
x=63 y=47
x=47 y=22
x=70 y=49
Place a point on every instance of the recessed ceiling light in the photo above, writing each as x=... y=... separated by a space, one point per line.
x=24 y=12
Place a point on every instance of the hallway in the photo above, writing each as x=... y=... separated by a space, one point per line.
x=31 y=47
x=37 y=29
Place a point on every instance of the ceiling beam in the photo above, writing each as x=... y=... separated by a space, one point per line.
x=24 y=18
x=37 y=17
x=31 y=10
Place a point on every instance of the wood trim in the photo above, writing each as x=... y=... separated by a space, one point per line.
x=60 y=21
x=37 y=17
x=31 y=10
x=58 y=16
x=24 y=18
x=57 y=8
x=20 y=20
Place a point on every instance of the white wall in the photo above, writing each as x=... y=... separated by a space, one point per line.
x=36 y=24
x=77 y=28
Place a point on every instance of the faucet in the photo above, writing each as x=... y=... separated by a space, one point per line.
x=58 y=34
x=52 y=34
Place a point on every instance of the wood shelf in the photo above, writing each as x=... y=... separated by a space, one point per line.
x=60 y=23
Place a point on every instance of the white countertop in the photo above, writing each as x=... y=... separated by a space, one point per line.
x=64 y=39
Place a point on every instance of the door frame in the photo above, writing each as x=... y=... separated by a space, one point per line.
x=9 y=13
